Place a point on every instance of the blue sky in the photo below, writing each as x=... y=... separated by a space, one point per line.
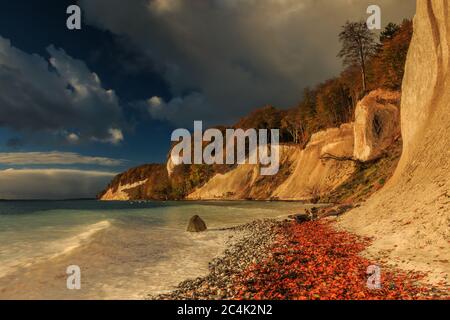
x=76 y=107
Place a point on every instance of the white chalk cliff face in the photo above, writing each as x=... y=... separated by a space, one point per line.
x=120 y=193
x=245 y=181
x=305 y=175
x=410 y=218
x=313 y=176
x=327 y=162
x=377 y=124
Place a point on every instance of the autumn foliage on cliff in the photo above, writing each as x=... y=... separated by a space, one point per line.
x=333 y=102
x=388 y=66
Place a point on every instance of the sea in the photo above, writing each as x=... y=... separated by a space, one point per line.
x=123 y=250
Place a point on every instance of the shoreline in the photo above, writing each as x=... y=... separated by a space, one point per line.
x=255 y=240
x=290 y=260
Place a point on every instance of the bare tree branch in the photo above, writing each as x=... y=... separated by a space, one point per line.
x=329 y=156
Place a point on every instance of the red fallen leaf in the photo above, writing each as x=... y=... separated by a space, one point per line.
x=314 y=261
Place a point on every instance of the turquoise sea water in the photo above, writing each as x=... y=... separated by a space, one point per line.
x=125 y=250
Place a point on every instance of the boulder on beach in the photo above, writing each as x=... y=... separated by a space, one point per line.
x=196 y=224
x=302 y=217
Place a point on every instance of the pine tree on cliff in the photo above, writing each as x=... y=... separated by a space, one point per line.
x=389 y=32
x=358 y=45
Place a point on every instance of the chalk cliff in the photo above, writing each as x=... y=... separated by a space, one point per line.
x=121 y=192
x=148 y=182
x=329 y=160
x=377 y=124
x=410 y=218
x=313 y=175
x=246 y=182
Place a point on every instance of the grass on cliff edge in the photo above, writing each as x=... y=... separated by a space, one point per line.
x=368 y=178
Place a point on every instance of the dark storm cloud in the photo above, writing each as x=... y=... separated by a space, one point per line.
x=60 y=96
x=225 y=57
x=51 y=183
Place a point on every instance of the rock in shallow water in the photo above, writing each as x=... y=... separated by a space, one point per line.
x=196 y=224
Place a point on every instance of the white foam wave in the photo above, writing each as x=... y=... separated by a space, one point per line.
x=51 y=250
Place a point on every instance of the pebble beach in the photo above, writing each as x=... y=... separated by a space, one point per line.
x=291 y=260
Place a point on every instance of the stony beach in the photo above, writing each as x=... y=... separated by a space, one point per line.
x=250 y=244
x=298 y=260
